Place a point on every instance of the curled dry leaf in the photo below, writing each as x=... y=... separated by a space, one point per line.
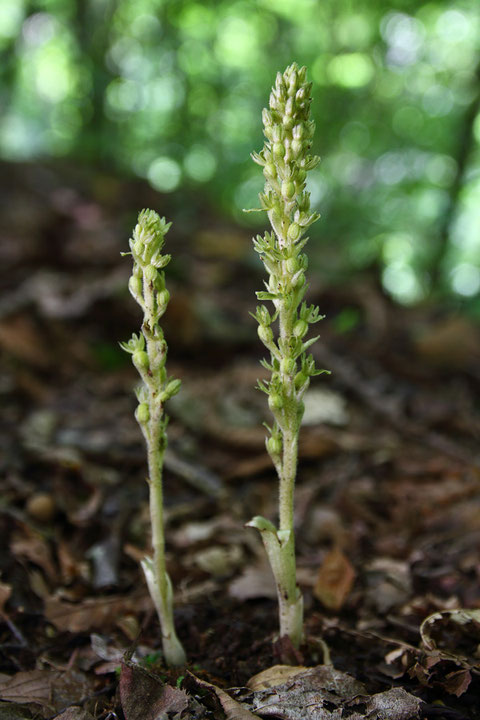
x=232 y=708
x=273 y=676
x=450 y=630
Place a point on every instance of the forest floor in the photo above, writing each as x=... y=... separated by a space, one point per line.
x=387 y=501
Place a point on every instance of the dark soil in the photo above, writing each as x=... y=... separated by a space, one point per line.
x=388 y=496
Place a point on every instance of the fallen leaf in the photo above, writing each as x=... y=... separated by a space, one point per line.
x=34 y=686
x=256 y=581
x=92 y=613
x=335 y=580
x=33 y=547
x=449 y=630
x=232 y=708
x=75 y=713
x=145 y=697
x=20 y=337
x=457 y=682
x=5 y=592
x=273 y=676
x=394 y=704
x=322 y=689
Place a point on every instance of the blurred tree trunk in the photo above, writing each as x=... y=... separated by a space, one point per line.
x=462 y=155
x=93 y=21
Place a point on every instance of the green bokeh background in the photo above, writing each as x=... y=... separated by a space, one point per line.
x=172 y=91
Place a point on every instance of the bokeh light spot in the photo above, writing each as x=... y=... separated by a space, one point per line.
x=200 y=163
x=465 y=279
x=351 y=70
x=164 y=174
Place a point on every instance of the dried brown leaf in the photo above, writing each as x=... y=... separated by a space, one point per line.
x=5 y=592
x=232 y=708
x=92 y=613
x=273 y=676
x=34 y=686
x=335 y=580
x=75 y=713
x=33 y=547
x=145 y=697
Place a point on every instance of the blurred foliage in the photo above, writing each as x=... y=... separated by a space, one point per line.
x=171 y=90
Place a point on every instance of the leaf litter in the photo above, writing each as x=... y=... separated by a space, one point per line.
x=387 y=514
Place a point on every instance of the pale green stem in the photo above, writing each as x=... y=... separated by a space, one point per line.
x=155 y=569
x=281 y=549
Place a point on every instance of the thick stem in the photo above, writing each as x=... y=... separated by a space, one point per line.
x=154 y=568
x=280 y=548
x=289 y=597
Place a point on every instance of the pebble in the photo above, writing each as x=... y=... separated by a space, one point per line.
x=41 y=507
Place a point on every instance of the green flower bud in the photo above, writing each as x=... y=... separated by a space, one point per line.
x=294 y=231
x=162 y=298
x=150 y=273
x=270 y=170
x=275 y=401
x=289 y=109
x=288 y=189
x=138 y=248
x=291 y=265
x=278 y=150
x=300 y=328
x=135 y=286
x=300 y=379
x=173 y=387
x=265 y=334
x=274 y=445
x=296 y=146
x=142 y=413
x=298 y=132
x=140 y=359
x=287 y=366
x=301 y=175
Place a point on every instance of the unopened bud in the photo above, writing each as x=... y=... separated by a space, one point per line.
x=296 y=146
x=288 y=189
x=300 y=380
x=287 y=366
x=140 y=359
x=265 y=334
x=294 y=231
x=278 y=150
x=142 y=413
x=163 y=297
x=173 y=387
x=138 y=248
x=275 y=402
x=150 y=273
x=270 y=170
x=300 y=328
x=289 y=107
x=274 y=445
x=135 y=286
x=291 y=265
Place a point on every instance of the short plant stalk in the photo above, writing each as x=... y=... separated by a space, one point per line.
x=149 y=353
x=286 y=161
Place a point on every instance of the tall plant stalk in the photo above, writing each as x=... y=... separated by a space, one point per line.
x=286 y=160
x=149 y=354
